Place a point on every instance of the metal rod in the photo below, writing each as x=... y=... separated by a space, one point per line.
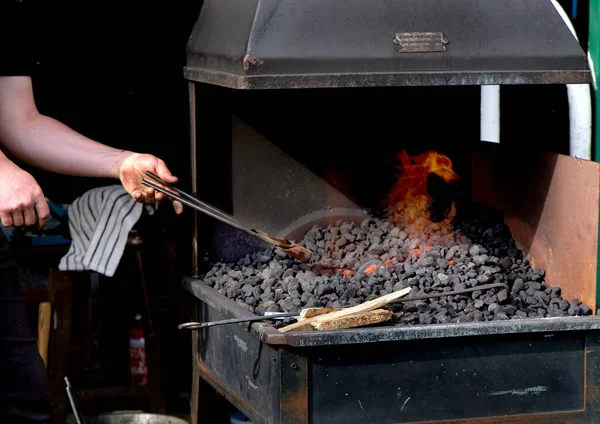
x=197 y=325
x=451 y=293
x=192 y=198
x=199 y=208
x=78 y=417
x=200 y=203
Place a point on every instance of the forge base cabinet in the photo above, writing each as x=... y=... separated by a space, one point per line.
x=521 y=371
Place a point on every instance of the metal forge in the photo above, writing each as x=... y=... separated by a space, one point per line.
x=302 y=115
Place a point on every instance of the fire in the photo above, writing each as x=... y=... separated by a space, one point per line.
x=409 y=200
x=409 y=206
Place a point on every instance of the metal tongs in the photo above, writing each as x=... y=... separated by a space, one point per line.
x=292 y=249
x=76 y=412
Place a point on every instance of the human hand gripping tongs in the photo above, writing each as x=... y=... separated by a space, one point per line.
x=292 y=249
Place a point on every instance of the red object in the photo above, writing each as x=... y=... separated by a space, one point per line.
x=137 y=353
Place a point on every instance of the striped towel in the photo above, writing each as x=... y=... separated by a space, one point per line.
x=99 y=222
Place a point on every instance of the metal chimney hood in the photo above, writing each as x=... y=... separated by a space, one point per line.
x=277 y=44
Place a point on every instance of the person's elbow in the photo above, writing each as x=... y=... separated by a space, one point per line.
x=17 y=107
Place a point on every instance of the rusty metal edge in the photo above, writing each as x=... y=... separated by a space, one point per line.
x=231 y=396
x=442 y=331
x=294 y=388
x=384 y=79
x=270 y=335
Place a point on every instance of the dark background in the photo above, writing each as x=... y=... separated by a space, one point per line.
x=114 y=72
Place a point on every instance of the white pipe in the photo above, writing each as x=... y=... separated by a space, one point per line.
x=591 y=64
x=565 y=18
x=580 y=107
x=580 y=119
x=490 y=113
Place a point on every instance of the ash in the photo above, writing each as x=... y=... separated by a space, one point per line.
x=475 y=249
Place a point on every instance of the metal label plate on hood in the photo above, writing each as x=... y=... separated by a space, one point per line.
x=420 y=42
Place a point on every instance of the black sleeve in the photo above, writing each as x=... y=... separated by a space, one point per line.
x=18 y=37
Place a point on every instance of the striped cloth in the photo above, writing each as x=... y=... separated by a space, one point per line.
x=99 y=222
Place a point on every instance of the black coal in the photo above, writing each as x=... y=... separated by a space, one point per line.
x=477 y=249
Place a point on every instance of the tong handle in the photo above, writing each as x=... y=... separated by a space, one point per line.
x=191 y=198
x=212 y=211
x=200 y=207
x=291 y=249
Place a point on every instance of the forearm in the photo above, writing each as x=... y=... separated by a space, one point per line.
x=47 y=144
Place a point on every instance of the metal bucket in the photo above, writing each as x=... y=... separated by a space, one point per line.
x=130 y=418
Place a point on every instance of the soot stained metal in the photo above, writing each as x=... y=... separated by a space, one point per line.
x=274 y=44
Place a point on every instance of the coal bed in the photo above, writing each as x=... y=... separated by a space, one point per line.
x=474 y=248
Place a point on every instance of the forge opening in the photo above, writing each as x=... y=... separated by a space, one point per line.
x=356 y=262
x=389 y=198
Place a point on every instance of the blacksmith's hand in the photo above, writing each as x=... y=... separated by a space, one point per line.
x=22 y=202
x=132 y=171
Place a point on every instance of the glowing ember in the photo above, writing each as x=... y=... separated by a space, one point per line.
x=370 y=269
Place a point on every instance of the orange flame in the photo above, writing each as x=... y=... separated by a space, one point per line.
x=409 y=197
x=409 y=204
